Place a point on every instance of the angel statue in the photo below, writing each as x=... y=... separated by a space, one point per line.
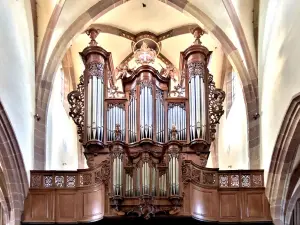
x=122 y=71
x=169 y=72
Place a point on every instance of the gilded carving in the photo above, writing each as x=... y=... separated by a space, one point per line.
x=59 y=181
x=102 y=174
x=76 y=101
x=216 y=98
x=48 y=181
x=234 y=181
x=36 y=181
x=257 y=180
x=196 y=69
x=85 y=179
x=95 y=69
x=223 y=181
x=71 y=181
x=246 y=180
x=209 y=178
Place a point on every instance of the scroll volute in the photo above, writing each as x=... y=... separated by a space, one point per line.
x=145 y=73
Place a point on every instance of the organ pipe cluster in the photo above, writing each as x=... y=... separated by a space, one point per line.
x=146 y=131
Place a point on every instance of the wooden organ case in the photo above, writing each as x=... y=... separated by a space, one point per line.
x=146 y=145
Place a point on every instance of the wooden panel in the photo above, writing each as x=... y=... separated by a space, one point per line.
x=254 y=205
x=40 y=206
x=65 y=206
x=91 y=204
x=203 y=203
x=229 y=206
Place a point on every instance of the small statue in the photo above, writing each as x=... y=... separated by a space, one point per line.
x=122 y=71
x=169 y=72
x=173 y=132
x=118 y=132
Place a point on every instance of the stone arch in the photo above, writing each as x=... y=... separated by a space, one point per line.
x=281 y=168
x=13 y=183
x=44 y=82
x=293 y=194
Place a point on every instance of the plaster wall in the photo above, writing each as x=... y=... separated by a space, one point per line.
x=232 y=134
x=61 y=145
x=244 y=10
x=278 y=68
x=44 y=10
x=17 y=87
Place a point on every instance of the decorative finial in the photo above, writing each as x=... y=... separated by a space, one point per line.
x=197 y=32
x=93 y=33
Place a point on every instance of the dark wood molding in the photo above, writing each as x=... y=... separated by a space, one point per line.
x=185 y=29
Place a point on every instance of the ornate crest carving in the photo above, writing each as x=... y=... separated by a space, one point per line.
x=215 y=108
x=196 y=69
x=102 y=174
x=169 y=72
x=144 y=55
x=95 y=69
x=76 y=101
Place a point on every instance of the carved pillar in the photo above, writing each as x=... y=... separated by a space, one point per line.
x=95 y=59
x=117 y=175
x=174 y=176
x=203 y=97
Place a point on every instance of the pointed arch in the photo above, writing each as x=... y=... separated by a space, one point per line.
x=281 y=168
x=13 y=183
x=45 y=80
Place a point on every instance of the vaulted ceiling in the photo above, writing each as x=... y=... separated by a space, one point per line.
x=155 y=17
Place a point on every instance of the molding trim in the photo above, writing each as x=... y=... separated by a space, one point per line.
x=280 y=172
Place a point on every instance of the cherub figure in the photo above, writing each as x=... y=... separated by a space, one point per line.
x=122 y=71
x=169 y=72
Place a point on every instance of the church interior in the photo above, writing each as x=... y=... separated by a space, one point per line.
x=149 y=111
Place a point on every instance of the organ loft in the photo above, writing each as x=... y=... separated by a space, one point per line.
x=146 y=130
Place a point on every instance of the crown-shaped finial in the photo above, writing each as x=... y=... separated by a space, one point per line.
x=197 y=32
x=93 y=33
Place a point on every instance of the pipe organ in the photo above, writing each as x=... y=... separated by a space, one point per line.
x=143 y=125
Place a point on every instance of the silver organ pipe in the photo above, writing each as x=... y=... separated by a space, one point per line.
x=197 y=100
x=173 y=174
x=138 y=183
x=159 y=116
x=95 y=104
x=141 y=114
x=132 y=117
x=146 y=111
x=153 y=181
x=145 y=178
x=115 y=115
x=177 y=117
x=117 y=174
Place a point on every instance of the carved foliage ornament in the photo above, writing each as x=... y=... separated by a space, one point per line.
x=95 y=69
x=215 y=108
x=102 y=174
x=76 y=101
x=196 y=69
x=113 y=90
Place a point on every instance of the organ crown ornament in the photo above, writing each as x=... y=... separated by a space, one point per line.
x=145 y=130
x=197 y=32
x=144 y=55
x=146 y=48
